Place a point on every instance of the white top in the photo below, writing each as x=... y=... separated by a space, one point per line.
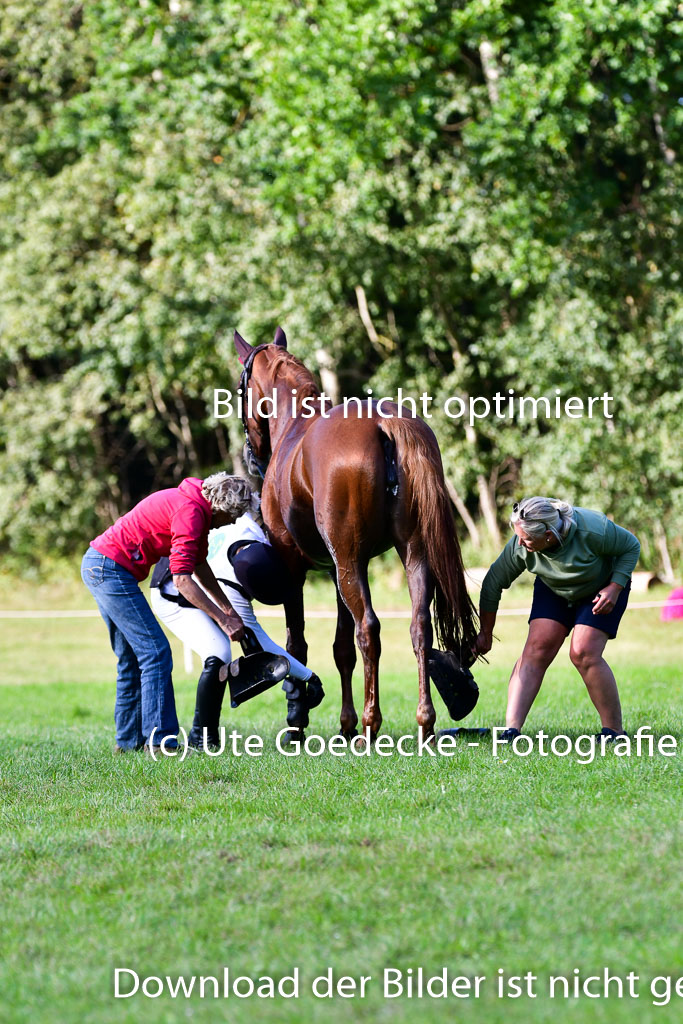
x=244 y=528
x=220 y=540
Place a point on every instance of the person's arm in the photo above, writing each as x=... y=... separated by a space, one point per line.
x=484 y=641
x=204 y=573
x=506 y=568
x=224 y=615
x=604 y=602
x=188 y=556
x=621 y=545
x=624 y=547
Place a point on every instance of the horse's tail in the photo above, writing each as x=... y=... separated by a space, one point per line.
x=420 y=471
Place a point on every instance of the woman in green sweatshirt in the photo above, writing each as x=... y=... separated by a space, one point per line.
x=583 y=564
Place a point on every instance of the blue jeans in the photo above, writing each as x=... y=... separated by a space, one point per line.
x=144 y=691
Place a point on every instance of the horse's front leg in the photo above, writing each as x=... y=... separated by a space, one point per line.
x=296 y=567
x=297 y=705
x=294 y=618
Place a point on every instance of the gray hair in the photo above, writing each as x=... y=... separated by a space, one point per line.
x=536 y=515
x=233 y=494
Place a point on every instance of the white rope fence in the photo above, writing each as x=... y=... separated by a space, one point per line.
x=315 y=613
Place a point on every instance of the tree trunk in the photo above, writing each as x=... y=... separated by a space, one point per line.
x=486 y=494
x=328 y=375
x=223 y=449
x=380 y=342
x=467 y=519
x=488 y=509
x=186 y=432
x=490 y=69
x=662 y=547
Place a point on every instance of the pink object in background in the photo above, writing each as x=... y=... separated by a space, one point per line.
x=673 y=609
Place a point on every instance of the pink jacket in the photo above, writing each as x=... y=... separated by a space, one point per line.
x=174 y=522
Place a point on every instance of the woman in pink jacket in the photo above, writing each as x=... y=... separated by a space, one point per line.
x=173 y=523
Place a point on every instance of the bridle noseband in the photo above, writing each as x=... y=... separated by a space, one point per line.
x=259 y=464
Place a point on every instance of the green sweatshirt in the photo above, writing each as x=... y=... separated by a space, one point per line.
x=595 y=552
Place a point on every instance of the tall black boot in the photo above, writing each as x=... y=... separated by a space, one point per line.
x=301 y=698
x=314 y=692
x=207 y=712
x=297 y=711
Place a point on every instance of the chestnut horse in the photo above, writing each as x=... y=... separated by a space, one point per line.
x=338 y=490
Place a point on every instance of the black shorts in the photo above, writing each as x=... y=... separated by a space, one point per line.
x=549 y=605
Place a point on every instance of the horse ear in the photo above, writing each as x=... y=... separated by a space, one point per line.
x=243 y=347
x=280 y=338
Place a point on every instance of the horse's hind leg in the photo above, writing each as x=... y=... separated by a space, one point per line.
x=352 y=581
x=345 y=659
x=421 y=589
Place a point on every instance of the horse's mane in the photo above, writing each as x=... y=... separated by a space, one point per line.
x=284 y=364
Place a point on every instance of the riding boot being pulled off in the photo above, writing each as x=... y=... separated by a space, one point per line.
x=314 y=692
x=301 y=698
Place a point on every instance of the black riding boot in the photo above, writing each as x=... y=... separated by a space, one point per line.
x=301 y=697
x=207 y=712
x=297 y=711
x=314 y=692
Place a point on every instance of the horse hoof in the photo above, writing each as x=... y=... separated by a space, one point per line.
x=295 y=736
x=366 y=739
x=348 y=734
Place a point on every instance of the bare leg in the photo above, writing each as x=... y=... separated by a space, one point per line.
x=543 y=642
x=421 y=589
x=586 y=649
x=344 y=650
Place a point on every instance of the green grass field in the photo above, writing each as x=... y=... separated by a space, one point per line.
x=266 y=864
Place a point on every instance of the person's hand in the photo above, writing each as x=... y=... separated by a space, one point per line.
x=605 y=600
x=234 y=626
x=483 y=643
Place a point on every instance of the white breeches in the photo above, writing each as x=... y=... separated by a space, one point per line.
x=198 y=631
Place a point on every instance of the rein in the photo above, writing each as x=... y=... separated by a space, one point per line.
x=259 y=465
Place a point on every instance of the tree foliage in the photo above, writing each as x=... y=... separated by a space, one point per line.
x=458 y=198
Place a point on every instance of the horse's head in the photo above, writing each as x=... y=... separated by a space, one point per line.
x=268 y=368
x=256 y=378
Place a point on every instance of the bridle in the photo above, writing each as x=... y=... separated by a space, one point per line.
x=259 y=464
